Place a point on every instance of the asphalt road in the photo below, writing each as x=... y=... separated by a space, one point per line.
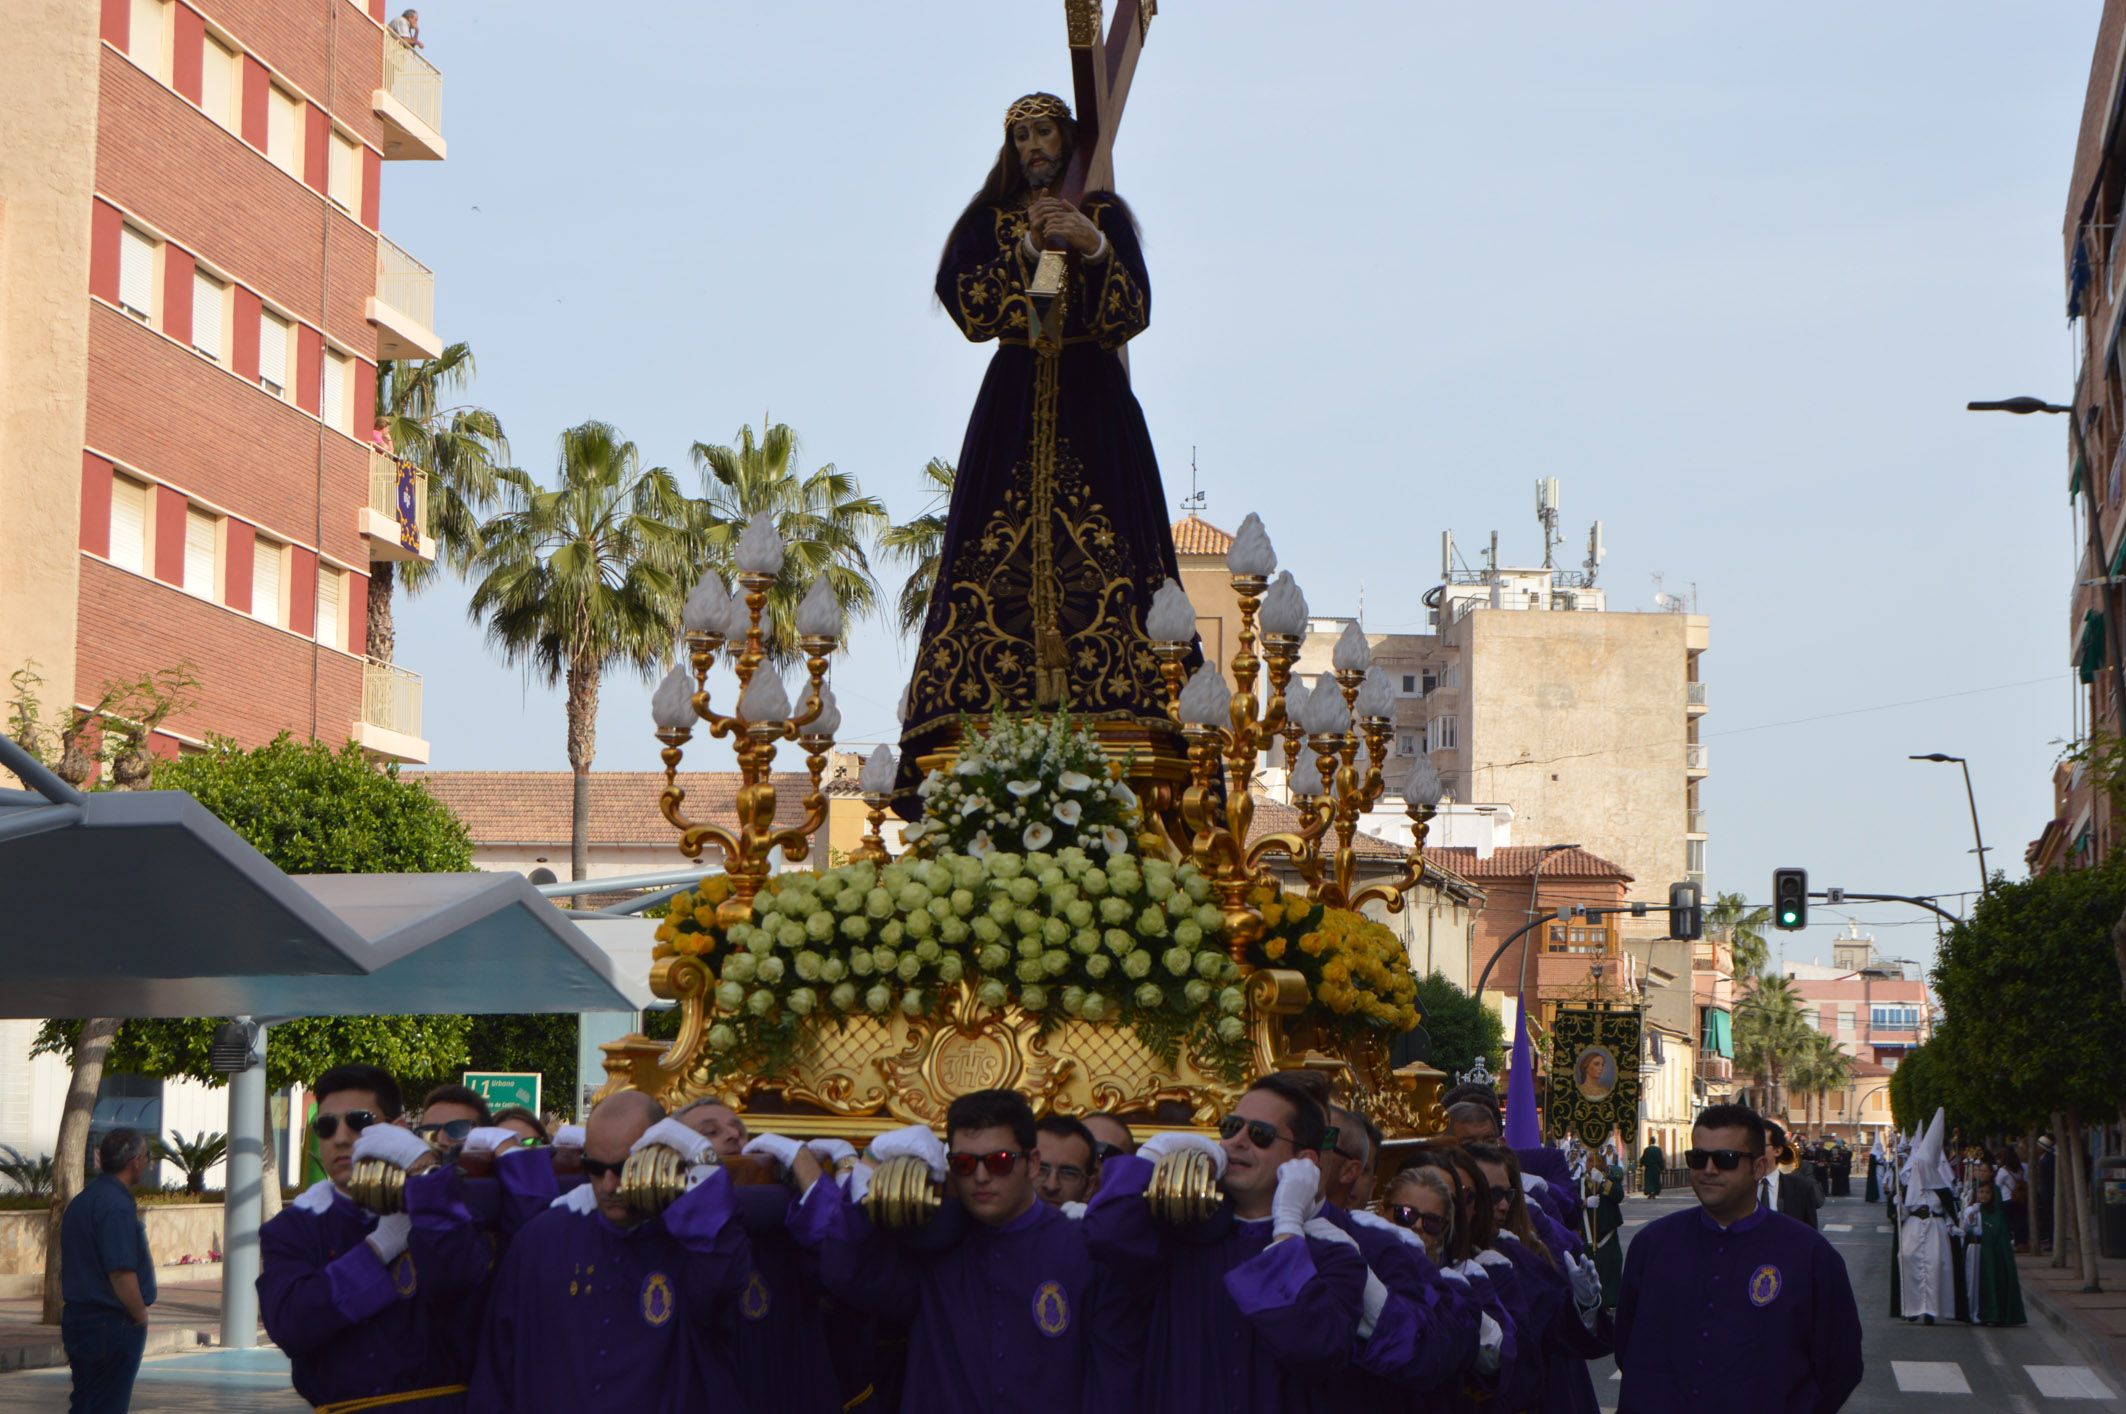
x=1915 y=1368
x=1910 y=1369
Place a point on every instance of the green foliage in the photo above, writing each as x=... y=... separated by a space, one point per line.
x=1025 y=783
x=1771 y=1034
x=309 y=810
x=2029 y=988
x=823 y=517
x=31 y=1177
x=920 y=544
x=1461 y=1027
x=462 y=449
x=1731 y=917
x=1918 y=1087
x=517 y=1042
x=193 y=1157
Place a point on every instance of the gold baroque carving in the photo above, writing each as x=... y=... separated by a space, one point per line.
x=1083 y=19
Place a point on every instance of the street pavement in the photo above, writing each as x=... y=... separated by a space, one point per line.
x=1911 y=1369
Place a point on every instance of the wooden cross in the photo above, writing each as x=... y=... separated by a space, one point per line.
x=1101 y=68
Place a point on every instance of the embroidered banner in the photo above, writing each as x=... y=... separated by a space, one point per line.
x=1594 y=1073
x=409 y=507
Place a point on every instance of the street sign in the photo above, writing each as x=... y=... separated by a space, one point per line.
x=502 y=1089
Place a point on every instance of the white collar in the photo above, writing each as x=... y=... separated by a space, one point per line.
x=318 y=1197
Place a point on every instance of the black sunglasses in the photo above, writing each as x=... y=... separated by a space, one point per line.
x=325 y=1126
x=1261 y=1133
x=1724 y=1160
x=998 y=1164
x=597 y=1168
x=1403 y=1215
x=1103 y=1152
x=454 y=1130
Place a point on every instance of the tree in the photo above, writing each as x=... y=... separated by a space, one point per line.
x=584 y=578
x=1461 y=1027
x=2029 y=991
x=1820 y=1067
x=1733 y=918
x=459 y=447
x=1770 y=1032
x=823 y=516
x=919 y=544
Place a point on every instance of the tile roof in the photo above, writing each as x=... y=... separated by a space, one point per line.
x=534 y=807
x=1195 y=536
x=1518 y=861
x=1274 y=817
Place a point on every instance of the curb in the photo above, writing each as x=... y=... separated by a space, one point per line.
x=43 y=1352
x=2089 y=1347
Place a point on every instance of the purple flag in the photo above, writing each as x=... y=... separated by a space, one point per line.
x=1522 y=1129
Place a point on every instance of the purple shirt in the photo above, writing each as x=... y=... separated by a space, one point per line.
x=589 y=1316
x=355 y=1328
x=1768 y=1296
x=1239 y=1324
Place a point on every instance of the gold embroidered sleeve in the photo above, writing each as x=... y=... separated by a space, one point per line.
x=982 y=281
x=1119 y=294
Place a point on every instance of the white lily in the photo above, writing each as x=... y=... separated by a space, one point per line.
x=1037 y=835
x=1022 y=789
x=1069 y=811
x=1073 y=781
x=981 y=846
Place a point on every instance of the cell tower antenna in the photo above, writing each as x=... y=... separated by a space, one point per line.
x=1196 y=499
x=1596 y=551
x=1546 y=511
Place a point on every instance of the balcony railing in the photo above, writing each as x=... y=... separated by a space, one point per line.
x=1695 y=825
x=415 y=82
x=391 y=698
x=1697 y=756
x=405 y=284
x=1715 y=1067
x=1694 y=694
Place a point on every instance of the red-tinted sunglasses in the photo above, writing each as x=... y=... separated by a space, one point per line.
x=1403 y=1215
x=998 y=1164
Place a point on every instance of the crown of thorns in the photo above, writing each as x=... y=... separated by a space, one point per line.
x=1035 y=105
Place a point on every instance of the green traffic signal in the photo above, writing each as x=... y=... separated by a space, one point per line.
x=1790 y=899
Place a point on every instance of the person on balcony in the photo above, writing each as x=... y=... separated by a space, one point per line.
x=407 y=29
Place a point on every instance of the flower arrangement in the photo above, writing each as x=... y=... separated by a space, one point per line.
x=1354 y=967
x=1057 y=932
x=1025 y=785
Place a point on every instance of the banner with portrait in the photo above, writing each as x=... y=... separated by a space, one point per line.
x=1594 y=1073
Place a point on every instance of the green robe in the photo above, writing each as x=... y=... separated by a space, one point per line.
x=2000 y=1291
x=1609 y=1236
x=1651 y=1162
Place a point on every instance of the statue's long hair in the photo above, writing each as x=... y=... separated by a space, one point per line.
x=1006 y=184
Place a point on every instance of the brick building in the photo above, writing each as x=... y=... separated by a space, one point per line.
x=194 y=298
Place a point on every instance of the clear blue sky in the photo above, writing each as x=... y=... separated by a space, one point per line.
x=1729 y=273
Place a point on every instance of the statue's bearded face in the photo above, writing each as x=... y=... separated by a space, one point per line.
x=1039 y=143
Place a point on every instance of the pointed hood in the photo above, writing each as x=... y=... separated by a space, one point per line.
x=1923 y=1167
x=1523 y=1130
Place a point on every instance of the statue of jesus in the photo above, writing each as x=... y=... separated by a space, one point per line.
x=1057 y=535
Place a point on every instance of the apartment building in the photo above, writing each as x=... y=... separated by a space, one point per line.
x=1877 y=1009
x=194 y=297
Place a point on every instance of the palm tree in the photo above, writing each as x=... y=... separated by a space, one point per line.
x=1770 y=1032
x=583 y=578
x=824 y=519
x=460 y=447
x=919 y=544
x=1820 y=1067
x=1733 y=918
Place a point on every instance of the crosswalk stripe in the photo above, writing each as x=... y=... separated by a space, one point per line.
x=1837 y=1227
x=1882 y=1227
x=1929 y=1377
x=2067 y=1382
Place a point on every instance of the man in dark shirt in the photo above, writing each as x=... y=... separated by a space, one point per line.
x=107 y=1277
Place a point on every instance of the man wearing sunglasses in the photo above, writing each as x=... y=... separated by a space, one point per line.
x=599 y=1306
x=365 y=1306
x=1250 y=1312
x=449 y=1115
x=1734 y=1286
x=1012 y=1313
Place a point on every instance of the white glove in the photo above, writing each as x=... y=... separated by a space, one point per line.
x=1586 y=1283
x=673 y=1135
x=915 y=1142
x=388 y=1239
x=1370 y=1301
x=1074 y=1211
x=395 y=1146
x=783 y=1151
x=1594 y=1200
x=1453 y=1276
x=489 y=1138
x=1491 y=1258
x=1470 y=1269
x=569 y=1136
x=832 y=1152
x=1160 y=1145
x=582 y=1199
x=857 y=1182
x=1323 y=1230
x=1298 y=1197
x=1489 y=1338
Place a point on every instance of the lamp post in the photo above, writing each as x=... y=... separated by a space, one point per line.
x=1939 y=756
x=2100 y=572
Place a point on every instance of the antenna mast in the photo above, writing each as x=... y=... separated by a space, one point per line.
x=1196 y=499
x=1546 y=511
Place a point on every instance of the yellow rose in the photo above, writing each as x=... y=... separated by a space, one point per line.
x=1274 y=949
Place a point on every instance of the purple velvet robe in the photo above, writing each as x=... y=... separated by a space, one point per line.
x=1768 y=1296
x=589 y=1316
x=1239 y=1324
x=781 y=1352
x=1569 y=1343
x=1426 y=1331
x=995 y=1315
x=354 y=1327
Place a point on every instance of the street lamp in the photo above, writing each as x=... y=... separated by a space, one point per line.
x=1939 y=756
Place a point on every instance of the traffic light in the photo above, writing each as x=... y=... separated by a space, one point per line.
x=1790 y=899
x=1685 y=918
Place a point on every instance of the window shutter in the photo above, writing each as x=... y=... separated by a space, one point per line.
x=344 y=179
x=334 y=406
x=207 y=316
x=199 y=553
x=281 y=114
x=328 y=607
x=217 y=83
x=266 y=582
x=129 y=524
x=145 y=43
x=273 y=352
x=136 y=273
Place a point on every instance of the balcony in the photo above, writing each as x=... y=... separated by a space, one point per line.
x=1694 y=821
x=1694 y=697
x=411 y=105
x=404 y=305
x=395 y=522
x=390 y=724
x=1716 y=1069
x=1697 y=758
